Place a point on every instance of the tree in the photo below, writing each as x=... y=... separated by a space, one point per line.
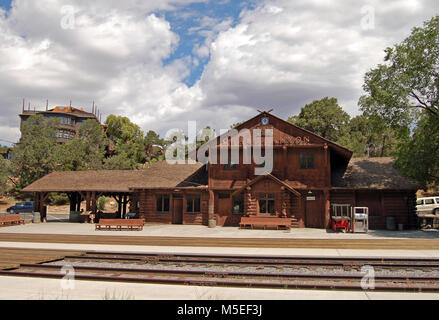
x=154 y=146
x=405 y=91
x=323 y=117
x=35 y=155
x=84 y=152
x=408 y=80
x=128 y=141
x=372 y=137
x=5 y=172
x=418 y=156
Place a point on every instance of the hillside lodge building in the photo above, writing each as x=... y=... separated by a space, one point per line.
x=309 y=173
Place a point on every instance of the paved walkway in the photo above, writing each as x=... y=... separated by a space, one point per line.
x=51 y=289
x=218 y=232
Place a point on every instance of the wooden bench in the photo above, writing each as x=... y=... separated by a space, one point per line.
x=11 y=220
x=265 y=222
x=120 y=224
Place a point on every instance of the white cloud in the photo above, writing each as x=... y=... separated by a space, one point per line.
x=280 y=55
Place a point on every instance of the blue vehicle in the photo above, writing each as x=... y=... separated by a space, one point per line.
x=27 y=206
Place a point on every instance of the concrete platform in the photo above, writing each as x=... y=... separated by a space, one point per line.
x=218 y=232
x=51 y=289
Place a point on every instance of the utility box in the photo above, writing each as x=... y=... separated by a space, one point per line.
x=360 y=219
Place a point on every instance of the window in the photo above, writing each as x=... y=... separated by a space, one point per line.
x=193 y=204
x=223 y=196
x=162 y=203
x=266 y=204
x=306 y=161
x=428 y=201
x=238 y=205
x=66 y=120
x=419 y=202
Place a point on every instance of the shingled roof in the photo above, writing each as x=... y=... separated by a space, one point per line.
x=373 y=173
x=159 y=175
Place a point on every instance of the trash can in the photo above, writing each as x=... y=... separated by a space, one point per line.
x=44 y=214
x=391 y=223
x=212 y=223
x=74 y=216
x=36 y=218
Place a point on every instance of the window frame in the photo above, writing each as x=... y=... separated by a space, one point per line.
x=267 y=198
x=190 y=200
x=162 y=198
x=306 y=161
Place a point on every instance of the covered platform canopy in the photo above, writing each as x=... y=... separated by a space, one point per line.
x=91 y=184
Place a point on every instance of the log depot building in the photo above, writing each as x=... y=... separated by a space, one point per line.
x=309 y=173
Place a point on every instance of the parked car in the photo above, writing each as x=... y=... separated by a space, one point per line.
x=27 y=206
x=428 y=205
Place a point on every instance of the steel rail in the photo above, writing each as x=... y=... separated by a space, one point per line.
x=379 y=285
x=229 y=273
x=343 y=262
x=166 y=254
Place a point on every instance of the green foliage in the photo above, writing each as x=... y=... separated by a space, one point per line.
x=408 y=80
x=372 y=137
x=323 y=117
x=404 y=91
x=58 y=199
x=85 y=152
x=418 y=156
x=35 y=155
x=101 y=203
x=154 y=146
x=120 y=161
x=5 y=173
x=129 y=144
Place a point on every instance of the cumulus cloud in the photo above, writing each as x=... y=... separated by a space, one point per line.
x=281 y=54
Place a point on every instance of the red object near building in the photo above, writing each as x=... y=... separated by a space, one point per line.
x=341 y=224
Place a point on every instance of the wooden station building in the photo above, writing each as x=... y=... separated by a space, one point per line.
x=309 y=173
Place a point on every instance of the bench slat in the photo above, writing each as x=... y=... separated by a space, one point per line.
x=119 y=224
x=265 y=222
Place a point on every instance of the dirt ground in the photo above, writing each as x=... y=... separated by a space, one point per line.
x=110 y=206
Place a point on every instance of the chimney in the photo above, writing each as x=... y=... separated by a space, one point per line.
x=47 y=104
x=23 y=105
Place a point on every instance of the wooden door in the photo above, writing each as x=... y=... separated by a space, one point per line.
x=224 y=210
x=177 y=214
x=314 y=211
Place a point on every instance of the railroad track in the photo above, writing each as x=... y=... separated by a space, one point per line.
x=240 y=271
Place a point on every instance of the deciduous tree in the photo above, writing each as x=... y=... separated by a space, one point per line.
x=323 y=117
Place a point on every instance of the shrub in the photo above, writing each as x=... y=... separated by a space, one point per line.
x=58 y=199
x=101 y=203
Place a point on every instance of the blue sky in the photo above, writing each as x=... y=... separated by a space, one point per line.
x=5 y=4
x=187 y=17
x=190 y=16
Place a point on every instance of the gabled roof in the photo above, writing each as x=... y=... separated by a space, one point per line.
x=339 y=150
x=373 y=173
x=159 y=175
x=336 y=147
x=268 y=176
